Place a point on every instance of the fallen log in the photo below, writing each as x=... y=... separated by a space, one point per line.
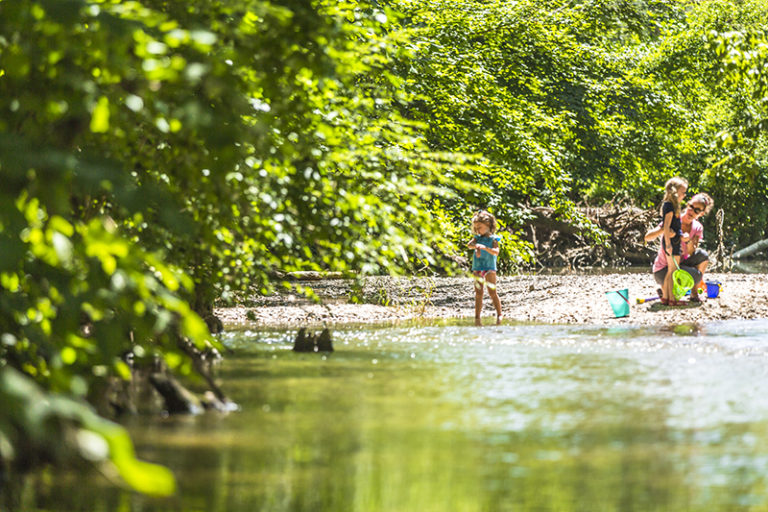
x=310 y=275
x=751 y=249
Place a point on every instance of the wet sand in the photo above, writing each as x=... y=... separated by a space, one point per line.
x=556 y=299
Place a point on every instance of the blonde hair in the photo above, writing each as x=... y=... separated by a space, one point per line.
x=671 y=188
x=703 y=197
x=487 y=219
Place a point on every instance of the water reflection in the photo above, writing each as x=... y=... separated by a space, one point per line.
x=451 y=417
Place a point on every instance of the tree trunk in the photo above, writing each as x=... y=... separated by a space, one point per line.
x=203 y=306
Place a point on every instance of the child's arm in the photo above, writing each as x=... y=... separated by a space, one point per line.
x=654 y=233
x=490 y=250
x=472 y=243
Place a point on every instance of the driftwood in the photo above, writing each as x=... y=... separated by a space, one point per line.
x=750 y=250
x=558 y=242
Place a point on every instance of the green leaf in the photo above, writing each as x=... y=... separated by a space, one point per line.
x=142 y=476
x=100 y=116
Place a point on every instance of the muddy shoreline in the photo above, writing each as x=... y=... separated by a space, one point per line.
x=555 y=299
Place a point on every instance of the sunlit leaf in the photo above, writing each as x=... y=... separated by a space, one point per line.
x=100 y=116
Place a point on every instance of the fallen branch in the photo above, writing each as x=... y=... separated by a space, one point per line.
x=311 y=275
x=750 y=250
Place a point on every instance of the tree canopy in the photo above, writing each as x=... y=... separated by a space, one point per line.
x=575 y=104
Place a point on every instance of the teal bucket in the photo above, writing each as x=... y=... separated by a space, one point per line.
x=619 y=301
x=713 y=289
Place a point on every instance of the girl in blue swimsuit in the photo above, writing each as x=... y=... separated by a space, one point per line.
x=486 y=246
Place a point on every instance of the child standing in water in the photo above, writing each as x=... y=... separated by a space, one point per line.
x=486 y=246
x=674 y=192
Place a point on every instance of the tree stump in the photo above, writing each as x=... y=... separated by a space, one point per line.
x=313 y=342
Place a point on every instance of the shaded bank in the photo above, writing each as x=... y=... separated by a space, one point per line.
x=561 y=299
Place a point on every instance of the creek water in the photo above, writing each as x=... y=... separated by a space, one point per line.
x=451 y=417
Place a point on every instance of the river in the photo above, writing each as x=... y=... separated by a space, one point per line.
x=449 y=417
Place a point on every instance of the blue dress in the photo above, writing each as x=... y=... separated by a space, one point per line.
x=485 y=261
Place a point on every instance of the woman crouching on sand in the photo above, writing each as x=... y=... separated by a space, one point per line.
x=694 y=260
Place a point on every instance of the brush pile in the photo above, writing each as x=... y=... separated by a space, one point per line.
x=559 y=243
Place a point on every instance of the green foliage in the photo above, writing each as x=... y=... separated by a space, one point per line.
x=156 y=156
x=514 y=252
x=547 y=98
x=736 y=171
x=568 y=104
x=34 y=424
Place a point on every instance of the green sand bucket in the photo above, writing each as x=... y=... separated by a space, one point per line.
x=619 y=301
x=682 y=282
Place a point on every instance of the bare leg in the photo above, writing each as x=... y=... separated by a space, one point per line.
x=695 y=291
x=668 y=281
x=701 y=267
x=490 y=277
x=666 y=288
x=478 y=297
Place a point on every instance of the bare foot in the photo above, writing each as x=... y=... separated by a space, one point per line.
x=498 y=320
x=478 y=322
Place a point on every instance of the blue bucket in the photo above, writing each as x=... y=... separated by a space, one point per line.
x=619 y=301
x=713 y=289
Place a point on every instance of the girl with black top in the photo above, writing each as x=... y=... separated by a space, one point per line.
x=674 y=192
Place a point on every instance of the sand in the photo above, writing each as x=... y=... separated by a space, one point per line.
x=553 y=299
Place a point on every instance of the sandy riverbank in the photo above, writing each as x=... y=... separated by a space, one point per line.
x=562 y=299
